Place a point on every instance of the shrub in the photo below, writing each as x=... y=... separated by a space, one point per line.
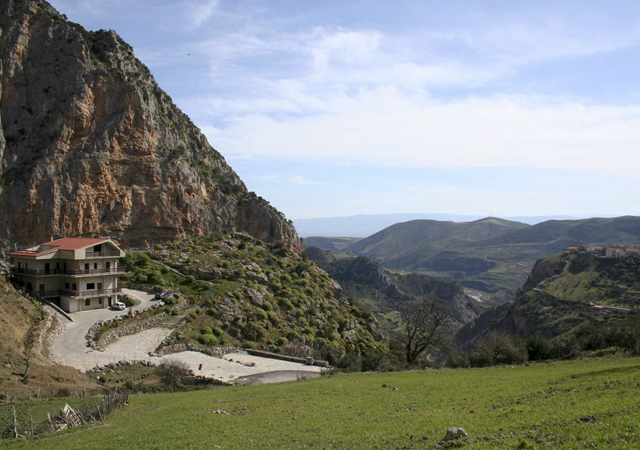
x=172 y=372
x=500 y=348
x=376 y=360
x=296 y=349
x=286 y=304
x=63 y=392
x=207 y=339
x=170 y=300
x=206 y=330
x=128 y=301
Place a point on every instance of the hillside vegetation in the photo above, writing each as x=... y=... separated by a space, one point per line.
x=24 y=370
x=564 y=405
x=332 y=244
x=244 y=292
x=383 y=292
x=582 y=301
x=490 y=255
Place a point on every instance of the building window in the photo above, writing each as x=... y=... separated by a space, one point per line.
x=100 y=301
x=87 y=302
x=66 y=285
x=95 y=265
x=107 y=265
x=86 y=266
x=91 y=286
x=99 y=285
x=73 y=287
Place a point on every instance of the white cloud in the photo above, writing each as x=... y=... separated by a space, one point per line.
x=387 y=128
x=344 y=47
x=201 y=11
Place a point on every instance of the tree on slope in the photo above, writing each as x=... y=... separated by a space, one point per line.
x=172 y=372
x=425 y=321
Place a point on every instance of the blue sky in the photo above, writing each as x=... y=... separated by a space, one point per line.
x=336 y=108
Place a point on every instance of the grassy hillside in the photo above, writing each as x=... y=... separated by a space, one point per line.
x=601 y=281
x=398 y=245
x=564 y=405
x=331 y=244
x=240 y=291
x=490 y=255
x=567 y=296
x=21 y=323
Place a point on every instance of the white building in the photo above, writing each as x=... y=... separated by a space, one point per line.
x=76 y=273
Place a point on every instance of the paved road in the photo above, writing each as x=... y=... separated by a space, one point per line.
x=238 y=365
x=70 y=349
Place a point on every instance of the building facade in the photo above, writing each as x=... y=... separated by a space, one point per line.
x=78 y=274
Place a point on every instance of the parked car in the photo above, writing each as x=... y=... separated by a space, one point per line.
x=162 y=294
x=118 y=305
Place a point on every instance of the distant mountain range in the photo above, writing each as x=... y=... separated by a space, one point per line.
x=363 y=225
x=491 y=255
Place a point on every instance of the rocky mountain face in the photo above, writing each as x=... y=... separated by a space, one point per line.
x=89 y=144
x=382 y=291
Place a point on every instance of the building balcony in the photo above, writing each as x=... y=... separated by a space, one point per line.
x=103 y=254
x=77 y=294
x=92 y=293
x=71 y=273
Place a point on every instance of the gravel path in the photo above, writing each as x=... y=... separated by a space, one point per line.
x=70 y=349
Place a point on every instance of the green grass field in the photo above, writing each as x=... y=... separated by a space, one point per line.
x=592 y=403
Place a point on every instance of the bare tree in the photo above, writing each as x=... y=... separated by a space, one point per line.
x=425 y=321
x=172 y=372
x=500 y=347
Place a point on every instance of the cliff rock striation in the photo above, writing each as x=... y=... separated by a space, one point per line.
x=89 y=144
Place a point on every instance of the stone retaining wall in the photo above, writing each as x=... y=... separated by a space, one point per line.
x=217 y=352
x=122 y=330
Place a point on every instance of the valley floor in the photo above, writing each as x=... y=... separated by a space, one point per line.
x=591 y=403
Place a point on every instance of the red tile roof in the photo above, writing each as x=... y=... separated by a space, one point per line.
x=74 y=243
x=62 y=244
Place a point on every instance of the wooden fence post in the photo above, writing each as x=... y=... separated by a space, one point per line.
x=15 y=423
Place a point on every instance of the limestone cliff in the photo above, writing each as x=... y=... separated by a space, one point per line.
x=89 y=144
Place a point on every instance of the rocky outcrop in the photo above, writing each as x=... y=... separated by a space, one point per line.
x=89 y=144
x=388 y=289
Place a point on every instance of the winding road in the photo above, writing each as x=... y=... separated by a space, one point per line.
x=70 y=349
